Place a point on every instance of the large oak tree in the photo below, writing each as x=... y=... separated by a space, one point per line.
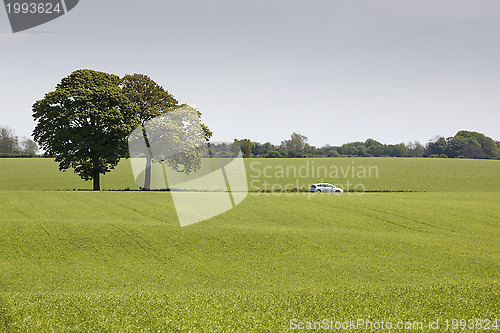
x=85 y=122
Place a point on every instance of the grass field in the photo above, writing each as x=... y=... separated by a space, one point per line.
x=117 y=261
x=389 y=174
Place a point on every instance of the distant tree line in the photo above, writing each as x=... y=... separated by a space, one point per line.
x=13 y=146
x=464 y=144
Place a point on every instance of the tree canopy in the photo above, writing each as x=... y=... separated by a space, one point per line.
x=296 y=146
x=84 y=123
x=150 y=98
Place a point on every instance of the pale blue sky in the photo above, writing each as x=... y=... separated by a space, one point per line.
x=334 y=71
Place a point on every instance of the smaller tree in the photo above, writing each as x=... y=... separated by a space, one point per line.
x=415 y=149
x=8 y=142
x=490 y=148
x=295 y=146
x=263 y=149
x=437 y=147
x=152 y=100
x=11 y=145
x=400 y=150
x=374 y=147
x=246 y=147
x=28 y=147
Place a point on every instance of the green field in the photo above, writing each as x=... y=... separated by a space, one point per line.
x=117 y=261
x=376 y=173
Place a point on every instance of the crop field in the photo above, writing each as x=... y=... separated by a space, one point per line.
x=421 y=245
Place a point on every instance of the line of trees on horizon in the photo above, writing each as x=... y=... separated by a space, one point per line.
x=464 y=144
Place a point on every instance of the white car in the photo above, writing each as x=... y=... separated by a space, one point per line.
x=325 y=187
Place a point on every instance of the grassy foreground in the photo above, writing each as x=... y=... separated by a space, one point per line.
x=117 y=261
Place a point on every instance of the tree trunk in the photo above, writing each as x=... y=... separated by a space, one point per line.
x=147 y=172
x=149 y=158
x=96 y=175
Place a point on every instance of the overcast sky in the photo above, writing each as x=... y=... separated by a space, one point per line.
x=334 y=71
